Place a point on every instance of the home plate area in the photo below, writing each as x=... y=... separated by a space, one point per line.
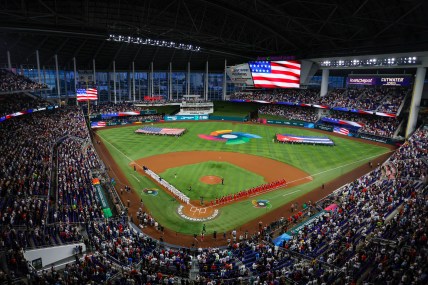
x=192 y=213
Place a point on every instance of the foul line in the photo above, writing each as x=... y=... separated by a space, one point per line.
x=115 y=148
x=286 y=194
x=322 y=172
x=354 y=162
x=135 y=177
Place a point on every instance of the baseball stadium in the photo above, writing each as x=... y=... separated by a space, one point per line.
x=213 y=142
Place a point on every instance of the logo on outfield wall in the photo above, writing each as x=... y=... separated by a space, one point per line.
x=261 y=204
x=150 y=191
x=229 y=137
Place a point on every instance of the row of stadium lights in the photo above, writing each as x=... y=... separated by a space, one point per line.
x=370 y=62
x=151 y=42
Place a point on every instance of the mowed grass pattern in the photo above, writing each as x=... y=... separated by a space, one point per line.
x=235 y=179
x=323 y=163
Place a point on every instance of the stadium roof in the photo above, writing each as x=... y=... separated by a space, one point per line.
x=224 y=29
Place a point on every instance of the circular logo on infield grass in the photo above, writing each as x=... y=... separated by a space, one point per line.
x=229 y=137
x=261 y=204
x=150 y=191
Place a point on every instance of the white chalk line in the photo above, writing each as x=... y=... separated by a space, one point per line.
x=286 y=194
x=135 y=177
x=325 y=171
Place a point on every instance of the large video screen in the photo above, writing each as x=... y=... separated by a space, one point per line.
x=275 y=74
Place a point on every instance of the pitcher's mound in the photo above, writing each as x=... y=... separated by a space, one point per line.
x=210 y=179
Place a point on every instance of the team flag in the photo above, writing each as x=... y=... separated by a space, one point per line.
x=87 y=94
x=341 y=131
x=276 y=74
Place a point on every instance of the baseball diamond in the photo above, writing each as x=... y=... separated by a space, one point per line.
x=213 y=142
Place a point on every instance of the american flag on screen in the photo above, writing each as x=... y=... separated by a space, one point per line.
x=276 y=74
x=341 y=131
x=87 y=94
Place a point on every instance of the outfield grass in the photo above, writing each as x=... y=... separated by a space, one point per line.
x=189 y=175
x=323 y=163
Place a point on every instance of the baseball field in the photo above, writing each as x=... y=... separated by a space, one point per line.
x=196 y=166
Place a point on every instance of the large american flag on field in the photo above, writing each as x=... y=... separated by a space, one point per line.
x=341 y=131
x=86 y=94
x=276 y=74
x=160 y=131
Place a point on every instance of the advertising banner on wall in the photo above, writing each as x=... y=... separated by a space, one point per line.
x=379 y=80
x=186 y=118
x=240 y=74
x=102 y=199
x=394 y=81
x=361 y=81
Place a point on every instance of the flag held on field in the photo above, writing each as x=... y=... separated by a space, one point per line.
x=341 y=131
x=276 y=74
x=86 y=94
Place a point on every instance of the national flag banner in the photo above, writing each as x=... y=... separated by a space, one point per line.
x=342 y=122
x=289 y=138
x=276 y=74
x=160 y=131
x=99 y=124
x=87 y=94
x=341 y=131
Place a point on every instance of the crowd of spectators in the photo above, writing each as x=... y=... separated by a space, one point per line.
x=381 y=99
x=338 y=98
x=372 y=124
x=120 y=243
x=304 y=96
x=107 y=108
x=76 y=194
x=27 y=194
x=10 y=81
x=289 y=112
x=19 y=102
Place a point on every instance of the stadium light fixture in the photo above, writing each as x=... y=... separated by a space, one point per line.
x=370 y=62
x=152 y=42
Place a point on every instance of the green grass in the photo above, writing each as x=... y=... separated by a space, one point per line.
x=234 y=178
x=323 y=163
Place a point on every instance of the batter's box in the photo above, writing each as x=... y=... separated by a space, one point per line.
x=198 y=211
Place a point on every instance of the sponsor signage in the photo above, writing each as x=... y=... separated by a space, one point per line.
x=380 y=81
x=361 y=80
x=290 y=123
x=102 y=199
x=277 y=57
x=394 y=81
x=324 y=128
x=186 y=118
x=240 y=74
